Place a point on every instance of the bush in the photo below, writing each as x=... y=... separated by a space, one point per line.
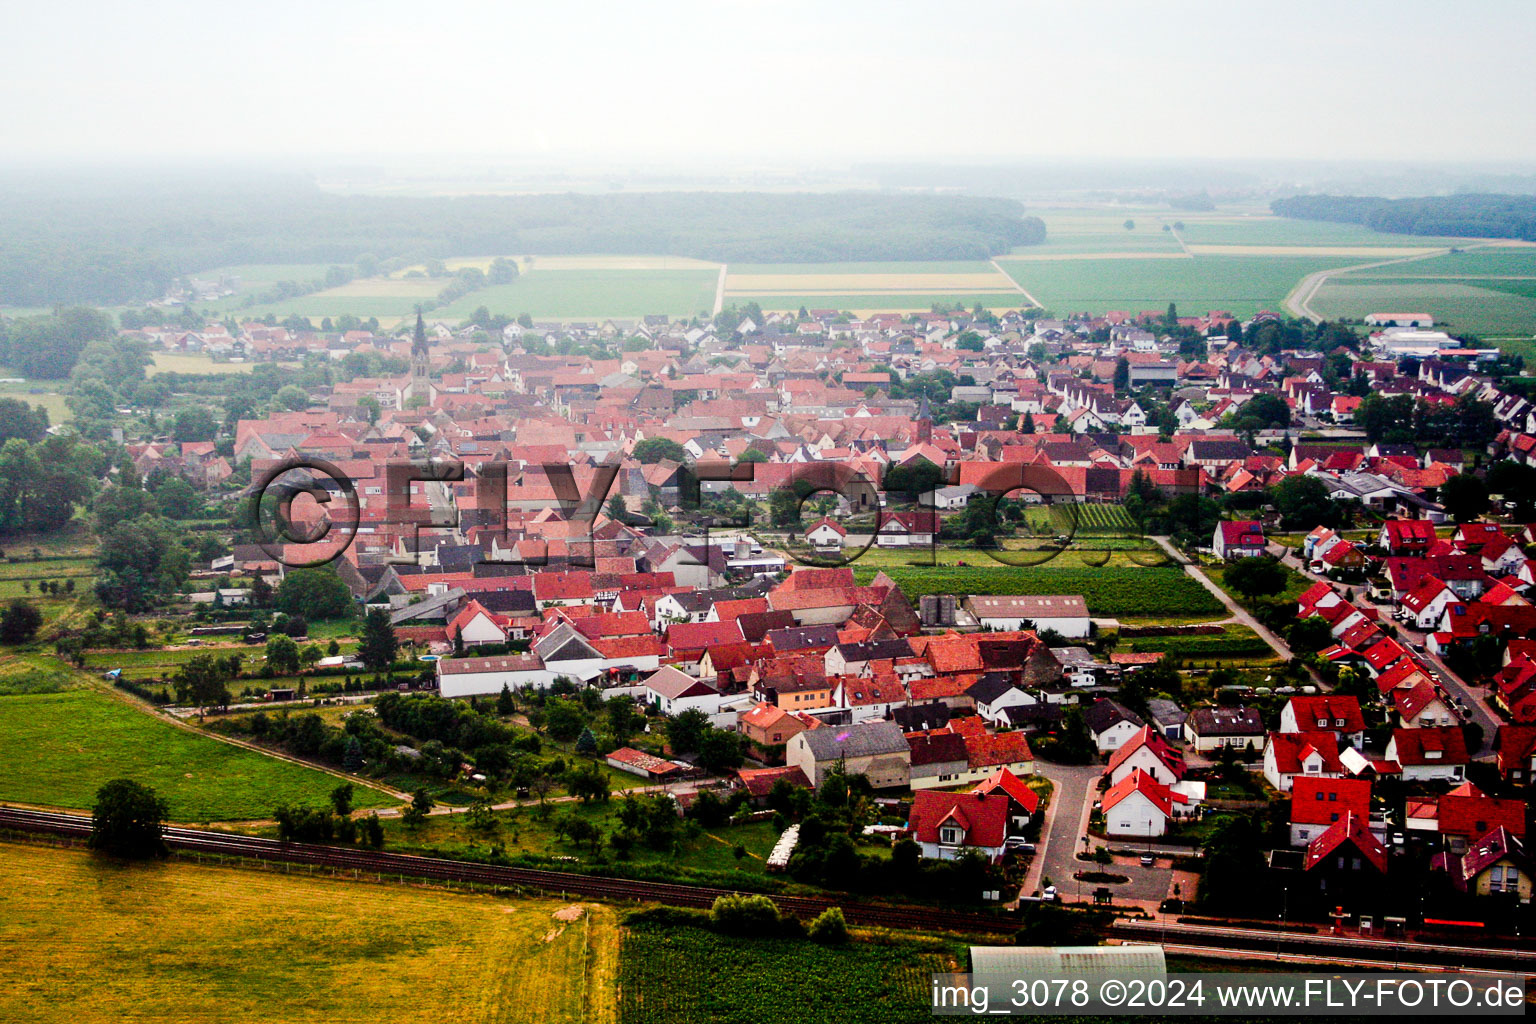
x=829 y=928
x=745 y=915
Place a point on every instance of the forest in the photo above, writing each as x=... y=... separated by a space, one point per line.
x=87 y=240
x=1469 y=215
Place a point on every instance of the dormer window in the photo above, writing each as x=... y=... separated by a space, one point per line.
x=1338 y=723
x=950 y=835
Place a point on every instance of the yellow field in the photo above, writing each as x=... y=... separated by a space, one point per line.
x=1363 y=251
x=84 y=940
x=863 y=284
x=186 y=362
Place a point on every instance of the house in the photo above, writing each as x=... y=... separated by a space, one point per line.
x=464 y=677
x=1066 y=614
x=1496 y=864
x=1292 y=754
x=948 y=825
x=1407 y=537
x=1429 y=755
x=647 y=766
x=1346 y=861
x=1333 y=713
x=1110 y=724
x=1023 y=802
x=996 y=692
x=672 y=692
x=1211 y=728
x=825 y=536
x=767 y=727
x=1238 y=539
x=938 y=759
x=876 y=750
x=907 y=529
x=1421 y=707
x=759 y=782
x=474 y=626
x=1515 y=746
x=1466 y=812
x=1146 y=751
x=1318 y=803
x=987 y=752
x=1140 y=807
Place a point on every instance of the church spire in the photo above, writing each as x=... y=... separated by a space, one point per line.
x=419 y=340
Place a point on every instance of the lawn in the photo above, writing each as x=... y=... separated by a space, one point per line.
x=1241 y=284
x=1111 y=590
x=671 y=974
x=88 y=941
x=40 y=392
x=188 y=362
x=60 y=748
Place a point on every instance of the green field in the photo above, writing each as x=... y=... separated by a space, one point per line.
x=39 y=392
x=1467 y=305
x=1130 y=592
x=87 y=941
x=872 y=267
x=60 y=747
x=887 y=301
x=1242 y=285
x=557 y=294
x=672 y=975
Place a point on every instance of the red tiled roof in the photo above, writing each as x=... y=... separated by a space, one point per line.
x=1324 y=801
x=1354 y=829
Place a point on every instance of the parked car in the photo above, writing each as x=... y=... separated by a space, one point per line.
x=1146 y=860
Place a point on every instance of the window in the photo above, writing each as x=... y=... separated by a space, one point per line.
x=949 y=835
x=1339 y=722
x=1331 y=796
x=1319 y=794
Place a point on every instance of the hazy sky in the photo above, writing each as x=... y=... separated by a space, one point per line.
x=775 y=82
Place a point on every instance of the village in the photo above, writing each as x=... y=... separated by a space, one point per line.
x=613 y=522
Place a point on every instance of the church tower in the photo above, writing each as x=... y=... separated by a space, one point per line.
x=421 y=362
x=924 y=422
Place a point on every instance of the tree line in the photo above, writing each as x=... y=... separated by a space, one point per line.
x=1472 y=215
x=74 y=242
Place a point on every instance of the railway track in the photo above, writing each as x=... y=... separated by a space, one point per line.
x=590 y=886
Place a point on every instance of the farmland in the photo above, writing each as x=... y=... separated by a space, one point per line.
x=1241 y=284
x=84 y=941
x=595 y=293
x=871 y=286
x=1129 y=592
x=1489 y=291
x=787 y=980
x=60 y=747
x=1078 y=519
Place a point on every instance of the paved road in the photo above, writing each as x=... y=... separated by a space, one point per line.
x=1237 y=610
x=1453 y=684
x=1062 y=838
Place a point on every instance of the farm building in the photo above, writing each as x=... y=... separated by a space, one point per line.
x=1067 y=614
x=464 y=677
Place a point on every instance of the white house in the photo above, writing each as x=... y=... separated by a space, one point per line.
x=1110 y=724
x=1138 y=807
x=826 y=535
x=1291 y=754
x=1147 y=751
x=1429 y=755
x=464 y=677
x=672 y=692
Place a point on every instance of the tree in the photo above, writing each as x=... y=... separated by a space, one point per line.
x=283 y=654
x=563 y=720
x=341 y=800
x=379 y=645
x=201 y=681
x=18 y=419
x=373 y=832
x=370 y=408
x=127 y=820
x=1129 y=225
x=617 y=510
x=1252 y=577
x=141 y=562
x=421 y=805
x=1464 y=497
x=1122 y=379
x=589 y=783
x=176 y=499
x=505 y=704
x=195 y=424
x=685 y=732
x=721 y=750
x=623 y=719
x=829 y=928
x=1303 y=503
x=1027 y=426
x=314 y=594
x=586 y=743
x=293 y=398
x=655 y=449
x=19 y=622
x=1309 y=635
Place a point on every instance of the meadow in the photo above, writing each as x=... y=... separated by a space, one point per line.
x=194 y=363
x=662 y=978
x=48 y=394
x=84 y=940
x=61 y=747
x=1120 y=591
